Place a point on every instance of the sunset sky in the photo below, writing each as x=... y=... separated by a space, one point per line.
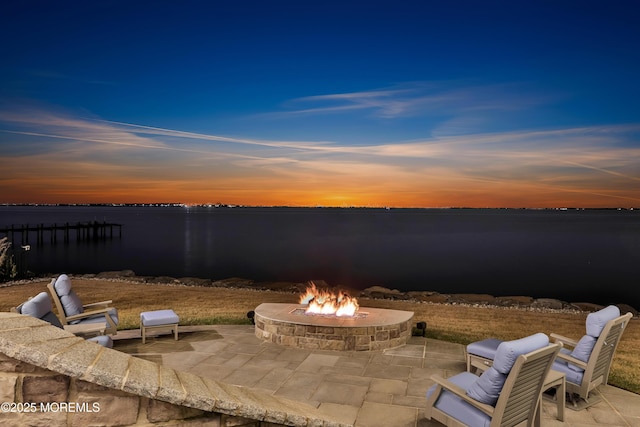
x=333 y=103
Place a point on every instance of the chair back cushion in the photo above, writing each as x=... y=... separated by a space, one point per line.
x=582 y=351
x=597 y=320
x=70 y=301
x=509 y=351
x=40 y=307
x=488 y=387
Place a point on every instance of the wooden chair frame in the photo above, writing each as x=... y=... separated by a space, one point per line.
x=90 y=310
x=596 y=369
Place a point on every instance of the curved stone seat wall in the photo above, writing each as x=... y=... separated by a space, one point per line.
x=42 y=364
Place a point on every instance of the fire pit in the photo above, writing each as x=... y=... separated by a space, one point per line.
x=321 y=321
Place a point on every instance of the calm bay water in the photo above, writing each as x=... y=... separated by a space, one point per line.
x=572 y=255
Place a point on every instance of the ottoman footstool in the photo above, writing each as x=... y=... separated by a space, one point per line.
x=158 y=319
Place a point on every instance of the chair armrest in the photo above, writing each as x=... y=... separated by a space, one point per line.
x=105 y=311
x=572 y=360
x=462 y=394
x=564 y=340
x=87 y=314
x=95 y=304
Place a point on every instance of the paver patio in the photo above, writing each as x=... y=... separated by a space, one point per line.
x=367 y=389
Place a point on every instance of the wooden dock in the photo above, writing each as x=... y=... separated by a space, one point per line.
x=93 y=230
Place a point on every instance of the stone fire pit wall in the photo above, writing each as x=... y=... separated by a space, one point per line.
x=381 y=329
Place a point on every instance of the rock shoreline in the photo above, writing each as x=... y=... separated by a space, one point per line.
x=373 y=292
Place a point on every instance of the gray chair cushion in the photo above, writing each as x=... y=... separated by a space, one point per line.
x=597 y=320
x=71 y=303
x=582 y=351
x=509 y=351
x=159 y=317
x=572 y=375
x=458 y=408
x=40 y=307
x=62 y=285
x=37 y=306
x=486 y=348
x=488 y=387
x=103 y=340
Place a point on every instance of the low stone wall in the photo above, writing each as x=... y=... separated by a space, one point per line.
x=34 y=396
x=331 y=338
x=49 y=377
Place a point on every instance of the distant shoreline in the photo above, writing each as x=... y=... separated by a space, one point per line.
x=234 y=206
x=374 y=292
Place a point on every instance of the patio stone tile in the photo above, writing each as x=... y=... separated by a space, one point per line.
x=425 y=373
x=418 y=388
x=448 y=364
x=409 y=350
x=411 y=401
x=344 y=394
x=245 y=348
x=237 y=361
x=377 y=397
x=183 y=360
x=354 y=363
x=274 y=379
x=388 y=386
x=216 y=360
x=214 y=372
x=344 y=378
x=246 y=376
x=343 y=413
x=300 y=386
x=632 y=421
x=378 y=414
x=294 y=354
x=313 y=362
x=388 y=371
x=407 y=361
x=266 y=363
x=209 y=346
x=624 y=401
x=381 y=359
x=271 y=352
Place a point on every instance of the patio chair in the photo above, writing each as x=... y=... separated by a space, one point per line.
x=72 y=311
x=508 y=393
x=587 y=366
x=41 y=308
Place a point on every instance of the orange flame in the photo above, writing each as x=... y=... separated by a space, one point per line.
x=325 y=302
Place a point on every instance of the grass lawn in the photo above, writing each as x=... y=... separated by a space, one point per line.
x=461 y=324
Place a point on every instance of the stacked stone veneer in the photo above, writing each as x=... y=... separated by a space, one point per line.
x=358 y=338
x=50 y=377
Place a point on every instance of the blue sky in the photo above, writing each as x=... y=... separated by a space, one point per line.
x=521 y=104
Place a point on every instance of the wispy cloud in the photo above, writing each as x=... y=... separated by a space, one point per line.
x=420 y=98
x=587 y=163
